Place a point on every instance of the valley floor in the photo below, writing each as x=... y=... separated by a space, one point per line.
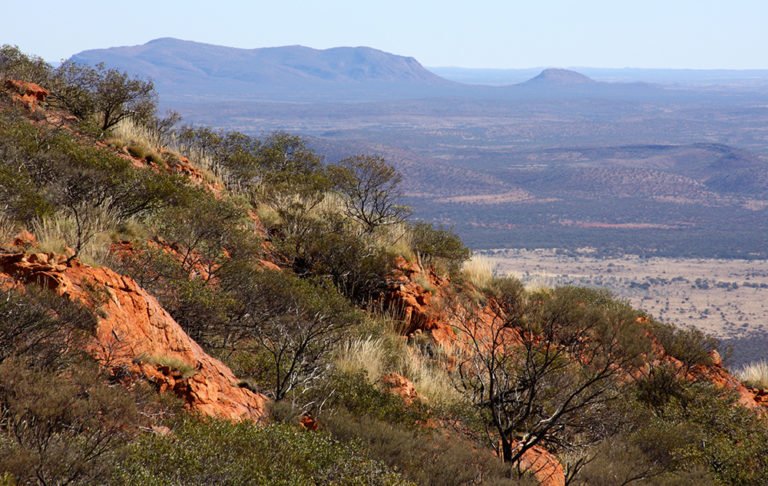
x=725 y=298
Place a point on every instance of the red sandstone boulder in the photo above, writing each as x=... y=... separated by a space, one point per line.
x=134 y=332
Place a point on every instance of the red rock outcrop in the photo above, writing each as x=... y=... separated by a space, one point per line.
x=134 y=333
x=28 y=94
x=544 y=466
x=426 y=302
x=720 y=377
x=420 y=308
x=401 y=386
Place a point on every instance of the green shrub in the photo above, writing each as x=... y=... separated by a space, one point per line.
x=297 y=322
x=422 y=455
x=14 y=64
x=711 y=430
x=689 y=345
x=61 y=422
x=439 y=246
x=203 y=452
x=355 y=394
x=45 y=169
x=661 y=384
x=357 y=268
x=41 y=325
x=622 y=460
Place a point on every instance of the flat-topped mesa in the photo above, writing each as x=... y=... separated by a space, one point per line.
x=136 y=336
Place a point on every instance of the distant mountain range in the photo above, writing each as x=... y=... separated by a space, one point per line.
x=186 y=70
x=191 y=69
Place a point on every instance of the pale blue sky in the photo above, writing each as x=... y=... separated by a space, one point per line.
x=492 y=33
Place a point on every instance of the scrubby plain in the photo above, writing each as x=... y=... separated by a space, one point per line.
x=723 y=297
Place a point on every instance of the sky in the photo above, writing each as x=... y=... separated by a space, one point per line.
x=698 y=34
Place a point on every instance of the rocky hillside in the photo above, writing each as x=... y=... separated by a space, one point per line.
x=185 y=306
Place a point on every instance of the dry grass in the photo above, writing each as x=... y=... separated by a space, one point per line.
x=57 y=233
x=186 y=369
x=397 y=239
x=8 y=229
x=128 y=131
x=368 y=354
x=479 y=270
x=429 y=377
x=142 y=144
x=755 y=374
x=332 y=204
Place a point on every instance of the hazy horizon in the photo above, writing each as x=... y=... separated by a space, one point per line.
x=653 y=34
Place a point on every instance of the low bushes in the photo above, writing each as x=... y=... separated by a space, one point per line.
x=207 y=451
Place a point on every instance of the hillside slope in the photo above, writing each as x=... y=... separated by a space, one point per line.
x=385 y=353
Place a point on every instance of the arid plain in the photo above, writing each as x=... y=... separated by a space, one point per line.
x=726 y=298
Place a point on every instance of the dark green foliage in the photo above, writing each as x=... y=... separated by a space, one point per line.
x=200 y=308
x=439 y=246
x=731 y=441
x=207 y=232
x=40 y=325
x=137 y=151
x=689 y=345
x=43 y=169
x=509 y=294
x=422 y=455
x=704 y=430
x=294 y=322
x=14 y=64
x=203 y=452
x=60 y=426
x=622 y=460
x=549 y=377
x=599 y=326
x=109 y=94
x=353 y=393
x=370 y=188
x=60 y=421
x=329 y=250
x=284 y=153
x=661 y=384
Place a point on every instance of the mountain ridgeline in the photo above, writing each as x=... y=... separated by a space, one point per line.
x=194 y=69
x=184 y=70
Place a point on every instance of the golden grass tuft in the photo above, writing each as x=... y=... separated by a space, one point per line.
x=479 y=271
x=57 y=233
x=128 y=131
x=368 y=354
x=429 y=377
x=754 y=374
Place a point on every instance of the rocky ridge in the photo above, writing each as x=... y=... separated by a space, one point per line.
x=136 y=336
